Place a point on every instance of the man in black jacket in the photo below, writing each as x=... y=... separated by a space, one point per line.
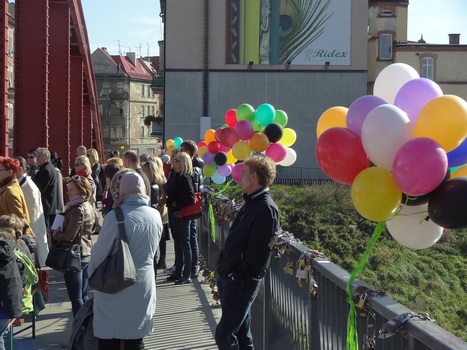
x=47 y=181
x=245 y=257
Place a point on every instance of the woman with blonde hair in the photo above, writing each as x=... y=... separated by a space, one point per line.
x=77 y=228
x=155 y=173
x=97 y=173
x=180 y=193
x=82 y=167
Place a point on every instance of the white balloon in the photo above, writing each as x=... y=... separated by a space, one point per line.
x=412 y=228
x=391 y=79
x=385 y=129
x=289 y=159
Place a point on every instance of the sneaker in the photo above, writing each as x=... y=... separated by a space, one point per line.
x=161 y=265
x=195 y=272
x=182 y=280
x=172 y=278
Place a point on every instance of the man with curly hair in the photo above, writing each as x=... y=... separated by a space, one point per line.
x=245 y=257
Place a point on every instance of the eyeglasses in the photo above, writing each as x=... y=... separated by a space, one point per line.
x=176 y=160
x=77 y=164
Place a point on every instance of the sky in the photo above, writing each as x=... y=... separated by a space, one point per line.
x=123 y=26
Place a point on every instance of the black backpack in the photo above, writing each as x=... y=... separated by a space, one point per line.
x=10 y=281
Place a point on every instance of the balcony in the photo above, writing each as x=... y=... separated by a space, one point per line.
x=157 y=85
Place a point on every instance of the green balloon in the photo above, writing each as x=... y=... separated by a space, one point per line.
x=257 y=126
x=209 y=170
x=245 y=112
x=281 y=118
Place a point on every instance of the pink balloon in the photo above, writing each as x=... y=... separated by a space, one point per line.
x=420 y=166
x=237 y=172
x=276 y=151
x=244 y=129
x=415 y=94
x=224 y=148
x=358 y=111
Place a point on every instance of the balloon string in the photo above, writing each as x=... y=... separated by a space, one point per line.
x=352 y=336
x=211 y=211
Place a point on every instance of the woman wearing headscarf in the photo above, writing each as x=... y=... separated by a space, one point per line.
x=12 y=199
x=126 y=317
x=180 y=193
x=77 y=229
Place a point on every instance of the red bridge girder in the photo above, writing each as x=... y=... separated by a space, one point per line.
x=56 y=104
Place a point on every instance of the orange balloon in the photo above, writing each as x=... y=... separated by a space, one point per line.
x=459 y=172
x=443 y=119
x=331 y=118
x=259 y=142
x=209 y=136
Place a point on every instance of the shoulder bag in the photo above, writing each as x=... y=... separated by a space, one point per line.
x=192 y=211
x=117 y=271
x=64 y=257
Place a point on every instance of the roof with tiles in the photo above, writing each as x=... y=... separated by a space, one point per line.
x=134 y=67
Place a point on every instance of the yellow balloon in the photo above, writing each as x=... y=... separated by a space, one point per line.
x=443 y=119
x=459 y=172
x=169 y=150
x=209 y=136
x=202 y=150
x=288 y=137
x=331 y=118
x=230 y=158
x=241 y=150
x=375 y=195
x=169 y=143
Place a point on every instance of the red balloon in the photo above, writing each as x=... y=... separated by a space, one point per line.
x=340 y=154
x=201 y=144
x=231 y=117
x=217 y=134
x=214 y=147
x=228 y=137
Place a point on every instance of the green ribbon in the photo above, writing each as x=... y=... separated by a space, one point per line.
x=352 y=336
x=211 y=211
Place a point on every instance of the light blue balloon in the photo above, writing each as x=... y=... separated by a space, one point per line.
x=265 y=114
x=218 y=179
x=178 y=142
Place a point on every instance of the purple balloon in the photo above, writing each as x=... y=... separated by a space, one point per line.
x=415 y=94
x=224 y=170
x=208 y=157
x=358 y=111
x=244 y=129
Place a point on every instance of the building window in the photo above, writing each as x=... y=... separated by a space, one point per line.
x=142 y=90
x=142 y=131
x=153 y=109
x=119 y=132
x=385 y=47
x=149 y=110
x=120 y=87
x=142 y=111
x=428 y=67
x=149 y=91
x=157 y=129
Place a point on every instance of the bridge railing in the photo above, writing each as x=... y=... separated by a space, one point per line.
x=286 y=316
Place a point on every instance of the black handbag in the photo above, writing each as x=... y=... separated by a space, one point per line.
x=117 y=271
x=64 y=257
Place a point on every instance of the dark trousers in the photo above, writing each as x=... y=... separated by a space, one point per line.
x=194 y=245
x=182 y=247
x=77 y=287
x=114 y=344
x=233 y=330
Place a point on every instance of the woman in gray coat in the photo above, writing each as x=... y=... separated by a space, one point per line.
x=127 y=316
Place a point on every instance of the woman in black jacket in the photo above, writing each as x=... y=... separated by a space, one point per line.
x=180 y=193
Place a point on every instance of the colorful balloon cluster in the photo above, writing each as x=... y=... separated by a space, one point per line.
x=395 y=148
x=173 y=144
x=247 y=131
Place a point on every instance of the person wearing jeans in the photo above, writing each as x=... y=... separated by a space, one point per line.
x=77 y=229
x=245 y=257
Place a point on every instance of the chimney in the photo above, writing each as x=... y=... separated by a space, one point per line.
x=454 y=39
x=104 y=49
x=132 y=57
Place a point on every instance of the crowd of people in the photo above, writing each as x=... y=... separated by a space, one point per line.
x=150 y=190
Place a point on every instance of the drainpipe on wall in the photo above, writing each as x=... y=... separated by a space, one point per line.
x=206 y=60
